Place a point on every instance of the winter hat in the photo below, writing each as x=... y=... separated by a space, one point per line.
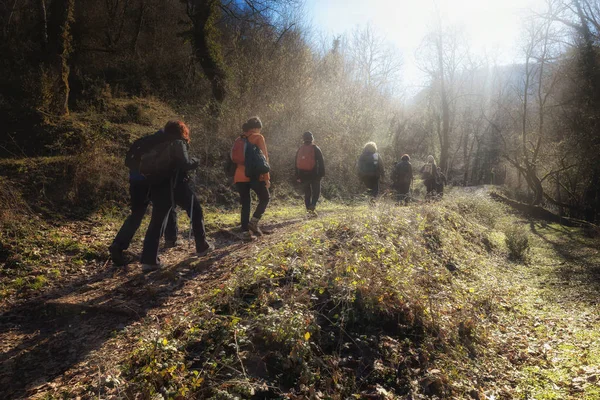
x=308 y=136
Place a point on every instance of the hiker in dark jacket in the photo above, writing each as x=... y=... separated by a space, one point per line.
x=430 y=176
x=442 y=181
x=174 y=189
x=310 y=168
x=402 y=178
x=370 y=168
x=139 y=191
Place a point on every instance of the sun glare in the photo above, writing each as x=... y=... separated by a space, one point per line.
x=491 y=27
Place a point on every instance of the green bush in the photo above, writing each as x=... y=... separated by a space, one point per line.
x=517 y=241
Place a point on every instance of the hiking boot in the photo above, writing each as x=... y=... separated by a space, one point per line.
x=253 y=226
x=116 y=255
x=207 y=248
x=151 y=267
x=169 y=244
x=247 y=235
x=313 y=213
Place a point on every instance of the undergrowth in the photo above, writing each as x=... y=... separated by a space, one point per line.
x=377 y=301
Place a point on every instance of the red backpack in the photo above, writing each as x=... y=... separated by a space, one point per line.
x=238 y=151
x=305 y=158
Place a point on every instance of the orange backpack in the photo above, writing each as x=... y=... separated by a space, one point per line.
x=238 y=151
x=305 y=159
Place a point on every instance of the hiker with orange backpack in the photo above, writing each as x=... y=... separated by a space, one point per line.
x=250 y=155
x=310 y=168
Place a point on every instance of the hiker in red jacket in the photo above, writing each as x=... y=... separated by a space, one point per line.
x=310 y=168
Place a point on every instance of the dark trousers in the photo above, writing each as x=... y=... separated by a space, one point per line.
x=312 y=192
x=163 y=200
x=139 y=192
x=372 y=184
x=260 y=188
x=430 y=185
x=403 y=190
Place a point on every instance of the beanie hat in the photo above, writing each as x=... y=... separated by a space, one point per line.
x=308 y=136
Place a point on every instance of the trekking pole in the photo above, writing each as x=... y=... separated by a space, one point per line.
x=191 y=220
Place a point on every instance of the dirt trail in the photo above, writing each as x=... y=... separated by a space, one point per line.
x=67 y=336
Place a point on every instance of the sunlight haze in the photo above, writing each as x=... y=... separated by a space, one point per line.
x=491 y=26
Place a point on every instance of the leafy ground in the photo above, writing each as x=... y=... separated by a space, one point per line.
x=425 y=301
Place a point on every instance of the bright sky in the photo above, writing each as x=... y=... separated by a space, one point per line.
x=493 y=26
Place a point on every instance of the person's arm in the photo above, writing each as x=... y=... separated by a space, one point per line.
x=320 y=162
x=296 y=165
x=182 y=160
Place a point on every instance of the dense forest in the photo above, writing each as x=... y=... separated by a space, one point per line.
x=531 y=125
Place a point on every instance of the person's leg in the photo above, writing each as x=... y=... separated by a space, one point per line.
x=171 y=230
x=307 y=194
x=139 y=203
x=375 y=186
x=260 y=188
x=246 y=202
x=186 y=199
x=316 y=192
x=161 y=197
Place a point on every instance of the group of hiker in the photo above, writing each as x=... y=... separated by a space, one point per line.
x=159 y=166
x=371 y=171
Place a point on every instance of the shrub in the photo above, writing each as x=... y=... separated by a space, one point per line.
x=517 y=241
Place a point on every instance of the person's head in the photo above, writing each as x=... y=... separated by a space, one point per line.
x=405 y=157
x=430 y=160
x=308 y=137
x=253 y=123
x=370 y=147
x=178 y=130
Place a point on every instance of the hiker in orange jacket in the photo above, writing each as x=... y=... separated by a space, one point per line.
x=251 y=131
x=310 y=168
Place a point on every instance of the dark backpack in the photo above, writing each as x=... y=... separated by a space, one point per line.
x=402 y=173
x=150 y=156
x=255 y=161
x=368 y=165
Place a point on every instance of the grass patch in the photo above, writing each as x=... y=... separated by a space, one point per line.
x=358 y=303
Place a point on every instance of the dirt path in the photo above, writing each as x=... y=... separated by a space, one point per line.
x=66 y=337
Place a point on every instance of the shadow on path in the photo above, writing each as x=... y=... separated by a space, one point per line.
x=580 y=258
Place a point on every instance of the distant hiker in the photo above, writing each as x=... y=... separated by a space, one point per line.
x=441 y=182
x=402 y=177
x=250 y=155
x=430 y=176
x=139 y=191
x=168 y=167
x=370 y=168
x=310 y=168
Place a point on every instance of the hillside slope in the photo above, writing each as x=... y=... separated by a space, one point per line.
x=363 y=302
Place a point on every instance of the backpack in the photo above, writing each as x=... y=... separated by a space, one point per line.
x=255 y=161
x=150 y=156
x=401 y=173
x=251 y=156
x=238 y=150
x=305 y=158
x=368 y=165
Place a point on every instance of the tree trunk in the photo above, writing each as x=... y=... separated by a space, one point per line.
x=445 y=134
x=207 y=49
x=60 y=46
